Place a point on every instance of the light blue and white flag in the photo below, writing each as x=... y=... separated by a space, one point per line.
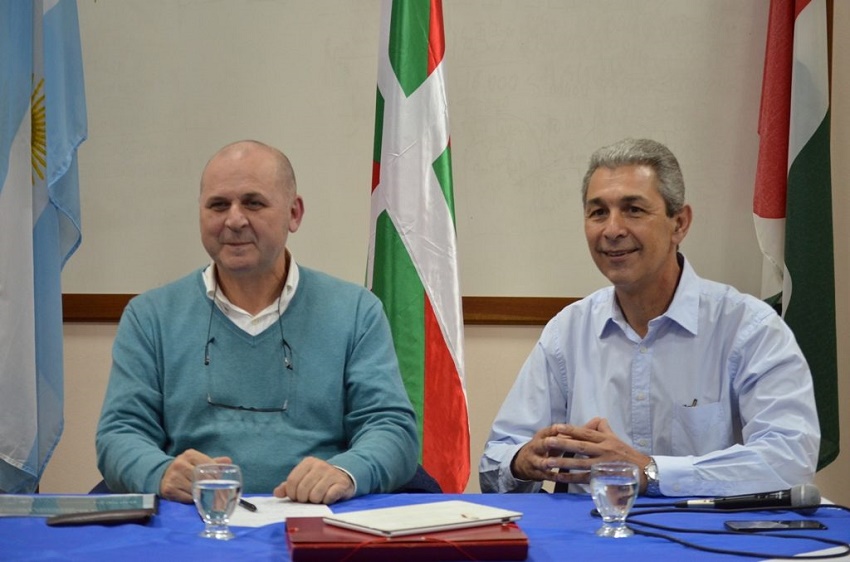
x=42 y=122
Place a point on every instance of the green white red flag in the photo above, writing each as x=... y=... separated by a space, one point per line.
x=792 y=203
x=412 y=264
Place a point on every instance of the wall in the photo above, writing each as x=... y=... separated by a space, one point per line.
x=534 y=87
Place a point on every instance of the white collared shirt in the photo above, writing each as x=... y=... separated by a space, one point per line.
x=252 y=323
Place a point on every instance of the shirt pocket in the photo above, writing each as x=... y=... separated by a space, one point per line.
x=698 y=430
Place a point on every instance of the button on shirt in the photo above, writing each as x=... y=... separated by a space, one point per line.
x=718 y=392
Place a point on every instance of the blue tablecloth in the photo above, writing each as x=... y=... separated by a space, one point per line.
x=559 y=527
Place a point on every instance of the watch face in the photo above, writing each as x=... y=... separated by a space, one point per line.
x=651 y=473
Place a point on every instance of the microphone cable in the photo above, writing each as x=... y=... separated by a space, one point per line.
x=648 y=507
x=652 y=509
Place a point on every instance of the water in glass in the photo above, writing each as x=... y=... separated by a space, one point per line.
x=216 y=492
x=614 y=487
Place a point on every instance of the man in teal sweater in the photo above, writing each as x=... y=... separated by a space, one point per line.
x=285 y=371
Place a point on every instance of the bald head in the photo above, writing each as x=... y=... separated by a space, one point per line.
x=255 y=152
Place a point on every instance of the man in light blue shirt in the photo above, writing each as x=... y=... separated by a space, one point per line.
x=702 y=387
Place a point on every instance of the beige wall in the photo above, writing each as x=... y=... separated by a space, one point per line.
x=144 y=136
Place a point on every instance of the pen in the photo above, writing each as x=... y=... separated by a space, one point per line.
x=247 y=505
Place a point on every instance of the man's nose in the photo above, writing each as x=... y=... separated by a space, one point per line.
x=236 y=218
x=615 y=225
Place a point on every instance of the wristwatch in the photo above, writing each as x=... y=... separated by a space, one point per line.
x=653 y=487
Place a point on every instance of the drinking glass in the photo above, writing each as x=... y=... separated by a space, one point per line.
x=216 y=489
x=614 y=486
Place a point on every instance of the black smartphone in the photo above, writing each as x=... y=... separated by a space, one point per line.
x=754 y=526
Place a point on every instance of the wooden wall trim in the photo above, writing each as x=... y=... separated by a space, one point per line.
x=512 y=310
x=90 y=307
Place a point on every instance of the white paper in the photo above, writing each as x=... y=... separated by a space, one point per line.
x=422 y=518
x=274 y=510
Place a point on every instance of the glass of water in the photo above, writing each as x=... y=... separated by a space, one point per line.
x=614 y=486
x=216 y=489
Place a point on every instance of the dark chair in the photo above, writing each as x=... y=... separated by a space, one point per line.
x=101 y=488
x=421 y=483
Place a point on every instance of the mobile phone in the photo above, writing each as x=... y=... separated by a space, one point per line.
x=754 y=526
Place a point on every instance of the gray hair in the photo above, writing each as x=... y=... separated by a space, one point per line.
x=642 y=152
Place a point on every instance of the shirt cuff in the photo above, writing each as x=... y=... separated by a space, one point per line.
x=676 y=476
x=510 y=483
x=351 y=476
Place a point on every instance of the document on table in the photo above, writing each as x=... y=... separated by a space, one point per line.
x=423 y=518
x=274 y=510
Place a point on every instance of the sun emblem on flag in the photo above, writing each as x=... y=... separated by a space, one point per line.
x=39 y=131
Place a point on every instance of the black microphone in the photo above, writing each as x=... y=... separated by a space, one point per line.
x=805 y=495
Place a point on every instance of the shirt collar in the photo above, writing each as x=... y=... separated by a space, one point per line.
x=223 y=303
x=683 y=309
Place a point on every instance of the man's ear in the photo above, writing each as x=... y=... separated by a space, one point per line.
x=682 y=223
x=296 y=213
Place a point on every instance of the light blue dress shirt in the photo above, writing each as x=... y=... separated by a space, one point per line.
x=718 y=392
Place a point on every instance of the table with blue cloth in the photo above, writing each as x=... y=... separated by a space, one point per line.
x=558 y=526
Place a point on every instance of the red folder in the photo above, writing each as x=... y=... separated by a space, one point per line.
x=310 y=539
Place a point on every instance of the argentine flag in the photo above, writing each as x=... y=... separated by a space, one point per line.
x=42 y=122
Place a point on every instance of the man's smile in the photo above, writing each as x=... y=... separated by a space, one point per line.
x=618 y=253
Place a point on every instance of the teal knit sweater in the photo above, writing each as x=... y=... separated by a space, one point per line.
x=342 y=401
